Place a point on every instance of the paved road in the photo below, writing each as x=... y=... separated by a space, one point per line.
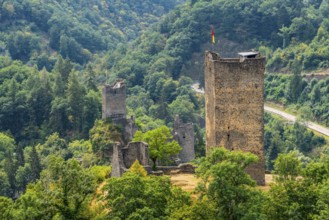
x=310 y=125
x=292 y=118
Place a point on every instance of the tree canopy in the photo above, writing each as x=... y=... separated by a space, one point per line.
x=160 y=144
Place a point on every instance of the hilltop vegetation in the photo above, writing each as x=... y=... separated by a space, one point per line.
x=35 y=31
x=225 y=192
x=170 y=45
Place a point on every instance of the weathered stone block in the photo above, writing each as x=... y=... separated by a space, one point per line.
x=187 y=168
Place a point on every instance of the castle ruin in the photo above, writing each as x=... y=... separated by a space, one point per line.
x=234 y=93
x=114 y=100
x=114 y=107
x=125 y=156
x=184 y=135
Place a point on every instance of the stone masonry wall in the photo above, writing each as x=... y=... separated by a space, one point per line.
x=136 y=151
x=124 y=156
x=184 y=135
x=235 y=107
x=114 y=100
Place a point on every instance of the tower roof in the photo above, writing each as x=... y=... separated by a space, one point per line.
x=251 y=54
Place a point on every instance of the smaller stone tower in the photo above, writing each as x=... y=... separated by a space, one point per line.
x=114 y=107
x=114 y=100
x=184 y=135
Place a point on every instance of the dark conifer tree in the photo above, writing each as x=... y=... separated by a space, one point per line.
x=35 y=164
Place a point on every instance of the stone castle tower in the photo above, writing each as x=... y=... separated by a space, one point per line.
x=234 y=93
x=184 y=135
x=114 y=100
x=114 y=107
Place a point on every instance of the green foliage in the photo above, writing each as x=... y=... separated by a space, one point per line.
x=75 y=100
x=295 y=84
x=100 y=172
x=135 y=197
x=6 y=208
x=138 y=169
x=226 y=184
x=4 y=184
x=160 y=144
x=280 y=137
x=79 y=147
x=33 y=31
x=201 y=209
x=69 y=196
x=293 y=199
x=36 y=104
x=102 y=137
x=287 y=167
x=45 y=110
x=91 y=111
x=323 y=202
x=57 y=194
x=293 y=195
x=54 y=145
x=183 y=107
x=311 y=94
x=7 y=145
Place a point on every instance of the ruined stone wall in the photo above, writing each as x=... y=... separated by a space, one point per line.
x=124 y=156
x=136 y=151
x=184 y=135
x=235 y=107
x=114 y=100
x=128 y=127
x=118 y=167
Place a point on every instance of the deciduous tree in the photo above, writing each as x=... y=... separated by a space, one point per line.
x=160 y=143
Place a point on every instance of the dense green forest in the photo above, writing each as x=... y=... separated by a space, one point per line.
x=57 y=54
x=36 y=31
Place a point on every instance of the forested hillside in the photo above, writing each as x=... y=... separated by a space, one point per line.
x=57 y=54
x=35 y=31
x=283 y=31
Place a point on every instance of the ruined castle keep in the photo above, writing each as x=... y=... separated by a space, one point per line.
x=123 y=154
x=184 y=135
x=234 y=93
x=114 y=100
x=114 y=107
